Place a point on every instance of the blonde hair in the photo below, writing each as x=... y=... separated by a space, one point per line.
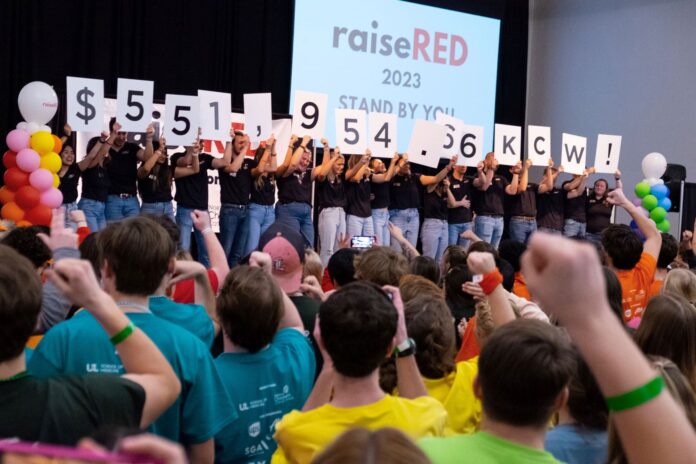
x=383 y=446
x=682 y=282
x=412 y=286
x=312 y=265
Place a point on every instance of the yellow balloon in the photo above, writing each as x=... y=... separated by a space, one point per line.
x=42 y=142
x=51 y=161
x=56 y=181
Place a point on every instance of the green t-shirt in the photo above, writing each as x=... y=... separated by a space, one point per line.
x=79 y=345
x=191 y=317
x=482 y=448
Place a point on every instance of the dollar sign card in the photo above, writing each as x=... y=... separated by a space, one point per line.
x=85 y=104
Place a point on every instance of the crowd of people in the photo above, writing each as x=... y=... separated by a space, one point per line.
x=460 y=347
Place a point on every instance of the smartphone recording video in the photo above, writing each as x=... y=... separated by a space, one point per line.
x=362 y=242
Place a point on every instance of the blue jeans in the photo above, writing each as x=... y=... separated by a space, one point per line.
x=489 y=229
x=185 y=223
x=406 y=220
x=332 y=223
x=94 y=213
x=163 y=208
x=259 y=218
x=549 y=230
x=453 y=231
x=434 y=237
x=596 y=238
x=521 y=229
x=298 y=216
x=356 y=226
x=573 y=228
x=118 y=208
x=69 y=207
x=233 y=231
x=380 y=223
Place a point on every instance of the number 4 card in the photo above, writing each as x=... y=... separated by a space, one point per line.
x=382 y=141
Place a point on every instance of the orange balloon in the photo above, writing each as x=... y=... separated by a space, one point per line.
x=6 y=195
x=57 y=143
x=12 y=212
x=23 y=223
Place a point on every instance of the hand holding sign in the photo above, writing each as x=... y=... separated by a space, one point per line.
x=309 y=113
x=85 y=104
x=134 y=104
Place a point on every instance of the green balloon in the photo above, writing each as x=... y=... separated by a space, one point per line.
x=658 y=214
x=663 y=226
x=649 y=202
x=642 y=189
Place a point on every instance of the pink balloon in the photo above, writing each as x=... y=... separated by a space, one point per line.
x=28 y=160
x=17 y=139
x=637 y=201
x=41 y=179
x=52 y=198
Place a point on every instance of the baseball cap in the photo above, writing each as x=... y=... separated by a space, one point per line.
x=286 y=248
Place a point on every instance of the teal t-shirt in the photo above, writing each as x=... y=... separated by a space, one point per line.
x=482 y=448
x=80 y=345
x=191 y=317
x=277 y=380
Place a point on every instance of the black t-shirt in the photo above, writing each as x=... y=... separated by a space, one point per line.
x=63 y=409
x=550 y=209
x=525 y=203
x=95 y=183
x=434 y=205
x=163 y=192
x=331 y=194
x=192 y=191
x=379 y=195
x=492 y=201
x=404 y=191
x=68 y=183
x=265 y=195
x=122 y=167
x=575 y=208
x=459 y=189
x=235 y=187
x=295 y=188
x=598 y=214
x=358 y=198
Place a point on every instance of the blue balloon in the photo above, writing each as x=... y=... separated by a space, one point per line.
x=633 y=225
x=666 y=203
x=660 y=191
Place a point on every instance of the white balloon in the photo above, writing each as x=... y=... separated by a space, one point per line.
x=45 y=128
x=651 y=180
x=23 y=125
x=37 y=102
x=654 y=165
x=33 y=127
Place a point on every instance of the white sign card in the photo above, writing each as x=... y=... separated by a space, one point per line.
x=607 y=155
x=539 y=145
x=573 y=153
x=85 y=104
x=282 y=129
x=134 y=104
x=351 y=131
x=426 y=143
x=258 y=116
x=508 y=144
x=383 y=133
x=309 y=114
x=471 y=146
x=181 y=120
x=215 y=110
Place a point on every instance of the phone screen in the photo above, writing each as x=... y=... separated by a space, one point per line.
x=362 y=241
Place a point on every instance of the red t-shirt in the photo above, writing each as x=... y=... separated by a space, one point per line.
x=184 y=290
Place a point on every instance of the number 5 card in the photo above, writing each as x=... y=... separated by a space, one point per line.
x=180 y=119
x=351 y=131
x=134 y=104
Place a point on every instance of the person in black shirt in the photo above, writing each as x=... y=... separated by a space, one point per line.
x=574 y=207
x=379 y=198
x=331 y=196
x=459 y=214
x=550 y=201
x=261 y=212
x=489 y=203
x=192 y=194
x=358 y=212
x=122 y=166
x=599 y=210
x=70 y=171
x=155 y=178
x=437 y=199
x=523 y=208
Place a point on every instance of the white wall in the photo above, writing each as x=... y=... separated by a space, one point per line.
x=625 y=67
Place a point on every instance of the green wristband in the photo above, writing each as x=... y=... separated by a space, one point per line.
x=637 y=397
x=123 y=334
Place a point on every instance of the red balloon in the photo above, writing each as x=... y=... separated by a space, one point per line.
x=15 y=178
x=6 y=195
x=9 y=159
x=39 y=215
x=27 y=197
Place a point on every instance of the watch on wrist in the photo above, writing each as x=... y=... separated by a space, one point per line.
x=405 y=348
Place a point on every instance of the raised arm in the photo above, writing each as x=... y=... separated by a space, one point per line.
x=356 y=172
x=147 y=153
x=67 y=132
x=203 y=292
x=617 y=179
x=481 y=177
x=483 y=263
x=391 y=171
x=295 y=158
x=220 y=163
x=524 y=177
x=291 y=316
x=436 y=179
x=266 y=160
x=398 y=236
x=327 y=161
x=216 y=254
x=194 y=167
x=236 y=163
x=96 y=154
x=513 y=186
x=653 y=237
x=581 y=185
x=549 y=181
x=283 y=168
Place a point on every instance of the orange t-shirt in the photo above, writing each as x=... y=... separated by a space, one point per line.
x=520 y=287
x=655 y=288
x=470 y=347
x=635 y=286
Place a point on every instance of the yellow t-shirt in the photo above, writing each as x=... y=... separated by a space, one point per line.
x=301 y=435
x=456 y=393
